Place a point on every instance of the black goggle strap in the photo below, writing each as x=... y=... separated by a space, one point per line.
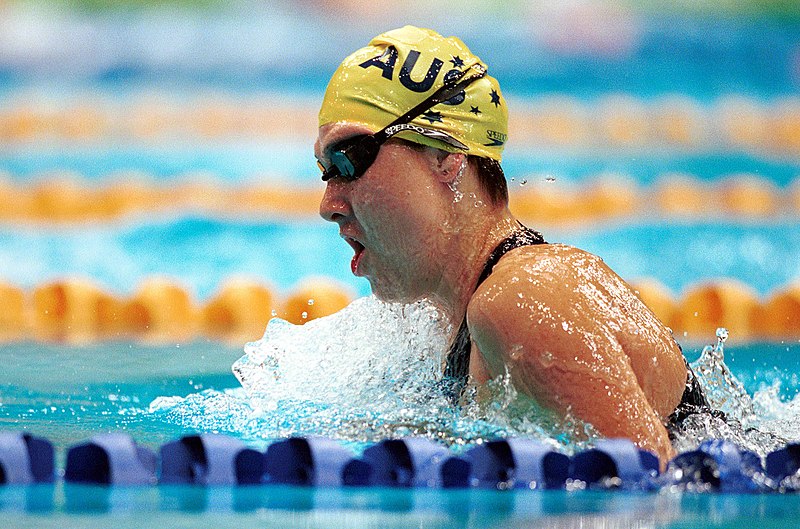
x=445 y=92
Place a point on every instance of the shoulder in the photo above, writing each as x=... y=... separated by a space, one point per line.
x=530 y=294
x=537 y=271
x=544 y=297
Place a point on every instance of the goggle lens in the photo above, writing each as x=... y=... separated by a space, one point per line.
x=351 y=158
x=346 y=169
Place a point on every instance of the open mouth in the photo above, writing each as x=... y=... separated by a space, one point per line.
x=358 y=248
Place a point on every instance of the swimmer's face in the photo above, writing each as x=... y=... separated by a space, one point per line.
x=387 y=215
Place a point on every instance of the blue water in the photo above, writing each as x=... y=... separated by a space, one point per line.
x=201 y=252
x=69 y=393
x=703 y=57
x=286 y=508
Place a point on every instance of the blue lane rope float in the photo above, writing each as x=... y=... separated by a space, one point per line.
x=210 y=459
x=783 y=467
x=312 y=461
x=111 y=459
x=25 y=459
x=615 y=463
x=516 y=463
x=409 y=462
x=115 y=459
x=720 y=466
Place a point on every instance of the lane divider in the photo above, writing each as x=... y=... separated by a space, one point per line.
x=726 y=303
x=116 y=459
x=64 y=199
x=615 y=120
x=77 y=311
x=623 y=121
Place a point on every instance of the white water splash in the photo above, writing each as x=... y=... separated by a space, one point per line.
x=723 y=390
x=371 y=371
x=360 y=354
x=761 y=423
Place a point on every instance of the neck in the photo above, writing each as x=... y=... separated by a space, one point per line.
x=466 y=249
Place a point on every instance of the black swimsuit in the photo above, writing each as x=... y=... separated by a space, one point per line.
x=693 y=401
x=456 y=371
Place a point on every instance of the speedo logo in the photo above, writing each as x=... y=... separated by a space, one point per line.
x=496 y=139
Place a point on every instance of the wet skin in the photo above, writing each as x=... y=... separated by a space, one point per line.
x=574 y=336
x=571 y=333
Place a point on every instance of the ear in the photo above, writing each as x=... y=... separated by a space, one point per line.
x=448 y=166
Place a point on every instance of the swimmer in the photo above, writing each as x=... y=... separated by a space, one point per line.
x=411 y=133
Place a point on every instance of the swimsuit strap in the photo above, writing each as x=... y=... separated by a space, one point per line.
x=456 y=370
x=693 y=401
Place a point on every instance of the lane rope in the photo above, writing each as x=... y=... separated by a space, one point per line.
x=76 y=311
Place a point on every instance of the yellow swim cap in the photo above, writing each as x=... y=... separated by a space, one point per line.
x=399 y=69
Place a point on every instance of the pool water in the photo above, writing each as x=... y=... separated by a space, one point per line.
x=294 y=507
x=160 y=393
x=67 y=394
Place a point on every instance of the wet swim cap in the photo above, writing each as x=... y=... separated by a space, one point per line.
x=399 y=69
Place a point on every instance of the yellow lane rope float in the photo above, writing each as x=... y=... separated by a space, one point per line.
x=614 y=120
x=77 y=311
x=65 y=197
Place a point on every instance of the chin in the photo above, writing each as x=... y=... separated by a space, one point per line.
x=385 y=295
x=394 y=294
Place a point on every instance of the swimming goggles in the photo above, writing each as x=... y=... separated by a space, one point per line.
x=352 y=157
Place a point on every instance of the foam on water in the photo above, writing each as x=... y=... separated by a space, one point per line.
x=370 y=371
x=374 y=370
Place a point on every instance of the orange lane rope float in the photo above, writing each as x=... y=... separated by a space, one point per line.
x=614 y=120
x=77 y=311
x=66 y=197
x=237 y=311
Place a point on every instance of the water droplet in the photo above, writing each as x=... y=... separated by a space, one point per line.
x=274 y=313
x=310 y=301
x=549 y=178
x=523 y=182
x=304 y=315
x=546 y=358
x=722 y=334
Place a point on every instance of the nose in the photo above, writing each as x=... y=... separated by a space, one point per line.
x=335 y=205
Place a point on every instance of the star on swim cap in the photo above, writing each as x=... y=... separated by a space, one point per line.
x=399 y=69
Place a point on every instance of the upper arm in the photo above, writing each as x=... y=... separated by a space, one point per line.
x=538 y=329
x=544 y=327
